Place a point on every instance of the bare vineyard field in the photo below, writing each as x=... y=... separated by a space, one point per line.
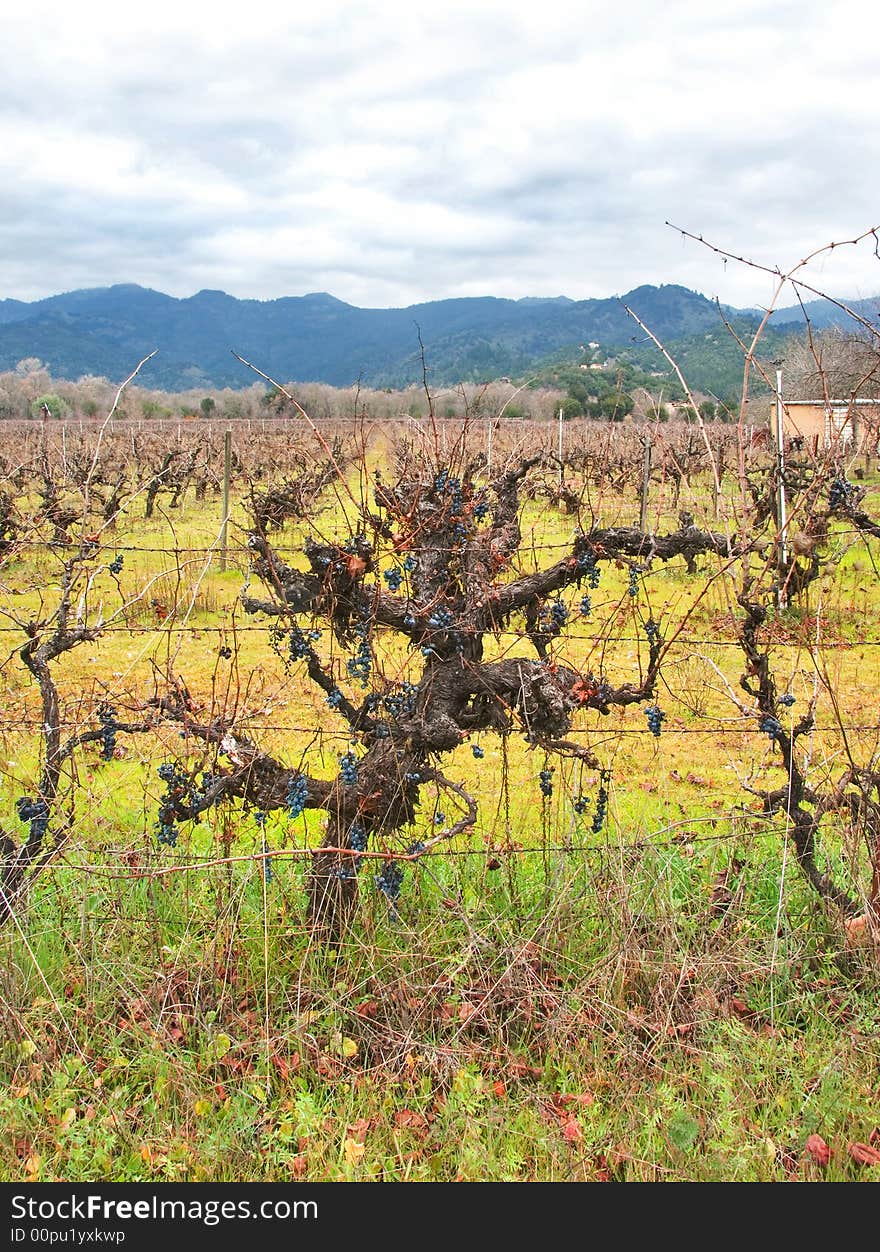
x=617 y=920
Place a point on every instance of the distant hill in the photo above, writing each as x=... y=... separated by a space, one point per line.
x=317 y=338
x=824 y=314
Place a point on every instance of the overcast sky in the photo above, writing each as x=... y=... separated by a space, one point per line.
x=396 y=152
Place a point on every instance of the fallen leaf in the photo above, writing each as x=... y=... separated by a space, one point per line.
x=353 y=1151
x=499 y=1089
x=409 y=1119
x=863 y=1153
x=818 y=1149
x=571 y=1131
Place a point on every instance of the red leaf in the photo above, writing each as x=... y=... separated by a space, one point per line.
x=499 y=1089
x=571 y=1131
x=818 y=1149
x=360 y=1128
x=863 y=1154
x=409 y=1119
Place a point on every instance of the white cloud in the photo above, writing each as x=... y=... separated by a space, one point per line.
x=396 y=152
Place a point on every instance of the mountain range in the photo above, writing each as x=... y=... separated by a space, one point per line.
x=317 y=338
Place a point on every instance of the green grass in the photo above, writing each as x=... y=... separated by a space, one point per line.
x=578 y=1019
x=665 y=999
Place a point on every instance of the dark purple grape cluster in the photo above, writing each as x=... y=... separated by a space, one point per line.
x=586 y=606
x=292 y=645
x=552 y=618
x=393 y=578
x=446 y=484
x=546 y=781
x=109 y=726
x=181 y=797
x=413 y=777
x=439 y=818
x=587 y=566
x=360 y=665
x=357 y=837
x=633 y=587
x=481 y=505
x=770 y=726
x=786 y=700
x=655 y=717
x=410 y=563
x=581 y=803
x=652 y=631
x=177 y=784
x=334 y=697
x=440 y=619
x=390 y=880
x=36 y=812
x=348 y=769
x=477 y=751
x=116 y=564
x=402 y=701
x=297 y=795
x=225 y=653
x=558 y=614
x=841 y=492
x=601 y=813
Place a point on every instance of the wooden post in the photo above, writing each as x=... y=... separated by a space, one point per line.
x=646 y=483
x=227 y=471
x=560 y=451
x=781 y=518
